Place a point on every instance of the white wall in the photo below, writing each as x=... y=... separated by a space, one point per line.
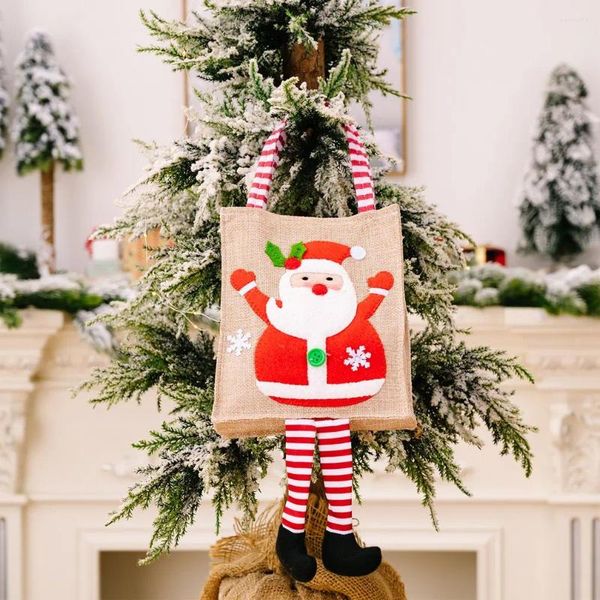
x=476 y=72
x=119 y=95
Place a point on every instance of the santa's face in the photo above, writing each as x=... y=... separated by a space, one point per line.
x=319 y=283
x=318 y=300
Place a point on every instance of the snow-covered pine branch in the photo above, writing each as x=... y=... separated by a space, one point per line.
x=219 y=43
x=237 y=45
x=560 y=205
x=45 y=128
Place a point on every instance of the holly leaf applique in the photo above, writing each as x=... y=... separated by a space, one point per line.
x=298 y=250
x=275 y=254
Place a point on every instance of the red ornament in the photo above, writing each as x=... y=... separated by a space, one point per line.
x=292 y=263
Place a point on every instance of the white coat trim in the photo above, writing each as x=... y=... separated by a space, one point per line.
x=317 y=376
x=379 y=291
x=247 y=288
x=328 y=391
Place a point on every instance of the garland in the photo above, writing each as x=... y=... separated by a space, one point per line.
x=69 y=293
x=568 y=291
x=18 y=261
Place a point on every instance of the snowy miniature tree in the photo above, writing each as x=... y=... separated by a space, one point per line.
x=46 y=130
x=560 y=206
x=3 y=101
x=303 y=61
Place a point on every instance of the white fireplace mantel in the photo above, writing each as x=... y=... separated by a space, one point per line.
x=563 y=355
x=21 y=352
x=76 y=462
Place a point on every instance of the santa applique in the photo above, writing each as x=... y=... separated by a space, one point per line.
x=319 y=350
x=327 y=352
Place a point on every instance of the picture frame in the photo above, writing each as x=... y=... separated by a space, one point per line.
x=389 y=113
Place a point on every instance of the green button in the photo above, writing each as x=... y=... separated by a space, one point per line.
x=316 y=357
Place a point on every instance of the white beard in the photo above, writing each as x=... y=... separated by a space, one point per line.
x=310 y=317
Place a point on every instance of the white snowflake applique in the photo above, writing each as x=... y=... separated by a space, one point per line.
x=238 y=342
x=357 y=358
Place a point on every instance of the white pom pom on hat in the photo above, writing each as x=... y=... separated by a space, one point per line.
x=357 y=252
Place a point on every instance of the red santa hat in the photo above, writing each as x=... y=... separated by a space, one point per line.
x=325 y=257
x=332 y=251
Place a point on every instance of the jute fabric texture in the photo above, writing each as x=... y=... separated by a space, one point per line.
x=240 y=409
x=245 y=567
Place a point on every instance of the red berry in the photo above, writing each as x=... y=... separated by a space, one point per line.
x=292 y=263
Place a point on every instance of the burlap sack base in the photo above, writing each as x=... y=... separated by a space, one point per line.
x=240 y=410
x=266 y=425
x=245 y=567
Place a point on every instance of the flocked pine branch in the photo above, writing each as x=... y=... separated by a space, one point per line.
x=238 y=45
x=221 y=41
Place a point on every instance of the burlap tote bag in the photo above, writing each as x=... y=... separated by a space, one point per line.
x=313 y=317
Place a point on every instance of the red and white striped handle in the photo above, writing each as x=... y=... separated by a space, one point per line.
x=361 y=170
x=267 y=163
x=258 y=194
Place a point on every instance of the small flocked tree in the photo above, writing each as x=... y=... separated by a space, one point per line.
x=560 y=206
x=46 y=130
x=251 y=51
x=3 y=100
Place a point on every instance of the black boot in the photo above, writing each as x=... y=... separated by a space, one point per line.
x=343 y=556
x=291 y=551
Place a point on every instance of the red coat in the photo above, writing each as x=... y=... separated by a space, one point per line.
x=348 y=367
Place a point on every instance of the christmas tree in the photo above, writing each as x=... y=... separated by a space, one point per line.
x=303 y=62
x=3 y=102
x=560 y=207
x=46 y=130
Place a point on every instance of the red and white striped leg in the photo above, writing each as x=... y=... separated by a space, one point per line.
x=335 y=450
x=340 y=551
x=299 y=452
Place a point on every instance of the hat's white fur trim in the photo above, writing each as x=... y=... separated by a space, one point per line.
x=319 y=265
x=357 y=252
